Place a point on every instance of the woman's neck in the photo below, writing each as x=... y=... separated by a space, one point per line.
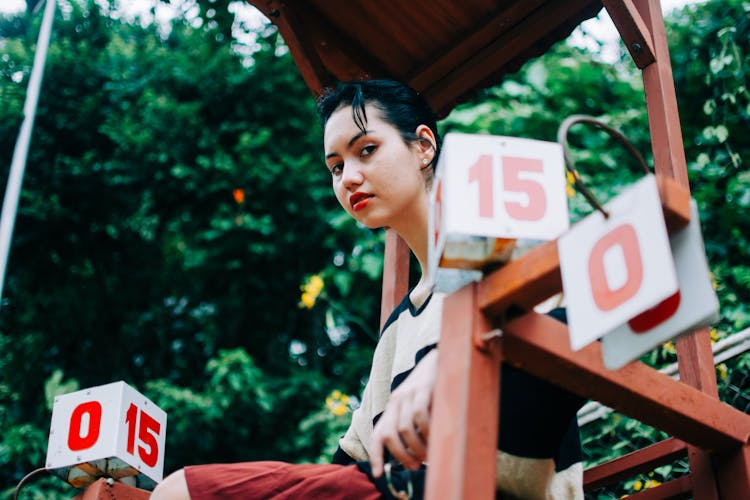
x=414 y=232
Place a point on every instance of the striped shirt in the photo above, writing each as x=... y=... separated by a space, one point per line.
x=539 y=452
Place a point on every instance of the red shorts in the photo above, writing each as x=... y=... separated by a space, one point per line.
x=279 y=481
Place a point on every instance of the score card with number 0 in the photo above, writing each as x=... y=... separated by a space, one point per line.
x=615 y=268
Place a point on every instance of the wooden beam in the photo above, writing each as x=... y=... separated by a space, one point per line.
x=343 y=56
x=395 y=274
x=527 y=281
x=540 y=345
x=465 y=408
x=733 y=473
x=633 y=30
x=471 y=42
x=694 y=355
x=643 y=460
x=675 y=201
x=504 y=49
x=661 y=100
x=522 y=283
x=673 y=490
x=297 y=38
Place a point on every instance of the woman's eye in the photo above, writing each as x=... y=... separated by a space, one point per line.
x=336 y=169
x=368 y=150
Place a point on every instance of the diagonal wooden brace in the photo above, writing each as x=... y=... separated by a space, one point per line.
x=540 y=345
x=633 y=30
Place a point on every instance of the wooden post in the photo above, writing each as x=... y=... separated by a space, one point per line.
x=465 y=410
x=694 y=354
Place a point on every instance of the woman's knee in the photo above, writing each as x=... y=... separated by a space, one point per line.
x=173 y=487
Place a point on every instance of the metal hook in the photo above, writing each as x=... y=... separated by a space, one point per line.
x=562 y=136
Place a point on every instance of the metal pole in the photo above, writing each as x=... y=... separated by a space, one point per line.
x=18 y=163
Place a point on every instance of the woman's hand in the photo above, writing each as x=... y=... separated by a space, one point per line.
x=404 y=426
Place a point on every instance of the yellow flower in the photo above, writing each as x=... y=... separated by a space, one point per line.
x=714 y=335
x=339 y=409
x=651 y=483
x=338 y=403
x=669 y=347
x=721 y=369
x=314 y=285
x=571 y=180
x=311 y=291
x=638 y=485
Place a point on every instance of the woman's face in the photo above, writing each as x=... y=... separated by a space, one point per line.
x=376 y=176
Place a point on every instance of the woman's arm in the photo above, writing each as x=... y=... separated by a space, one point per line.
x=404 y=426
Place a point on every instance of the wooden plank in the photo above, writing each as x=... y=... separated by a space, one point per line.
x=733 y=473
x=661 y=100
x=342 y=55
x=465 y=408
x=633 y=31
x=298 y=40
x=522 y=283
x=675 y=201
x=541 y=346
x=694 y=355
x=643 y=460
x=395 y=274
x=466 y=73
x=470 y=42
x=350 y=22
x=673 y=490
x=527 y=281
x=702 y=481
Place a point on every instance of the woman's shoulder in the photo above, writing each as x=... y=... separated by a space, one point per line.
x=414 y=304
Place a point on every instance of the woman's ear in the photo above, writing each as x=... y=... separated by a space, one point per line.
x=426 y=141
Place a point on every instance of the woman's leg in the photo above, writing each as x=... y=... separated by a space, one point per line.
x=174 y=487
x=276 y=480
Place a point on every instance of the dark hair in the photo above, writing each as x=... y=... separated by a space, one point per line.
x=401 y=106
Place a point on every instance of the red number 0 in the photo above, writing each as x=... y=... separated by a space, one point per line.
x=513 y=167
x=148 y=431
x=626 y=238
x=76 y=441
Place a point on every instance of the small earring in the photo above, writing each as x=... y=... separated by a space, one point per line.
x=425 y=161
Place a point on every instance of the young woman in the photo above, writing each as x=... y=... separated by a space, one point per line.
x=381 y=146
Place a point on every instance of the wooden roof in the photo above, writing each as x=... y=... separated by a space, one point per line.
x=446 y=49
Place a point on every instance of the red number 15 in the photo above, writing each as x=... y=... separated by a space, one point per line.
x=536 y=205
x=148 y=431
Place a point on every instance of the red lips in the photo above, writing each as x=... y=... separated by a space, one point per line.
x=359 y=200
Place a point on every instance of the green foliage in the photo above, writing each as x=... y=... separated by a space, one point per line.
x=712 y=89
x=174 y=199
x=175 y=203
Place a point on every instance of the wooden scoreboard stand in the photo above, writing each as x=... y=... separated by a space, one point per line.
x=450 y=50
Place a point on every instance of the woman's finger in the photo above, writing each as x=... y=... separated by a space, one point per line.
x=412 y=440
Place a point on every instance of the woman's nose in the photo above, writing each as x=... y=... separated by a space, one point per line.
x=352 y=175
